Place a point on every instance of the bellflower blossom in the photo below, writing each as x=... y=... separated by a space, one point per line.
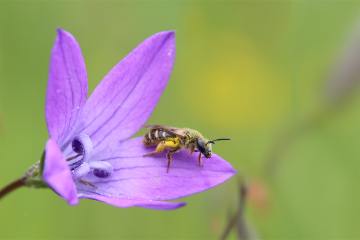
x=90 y=154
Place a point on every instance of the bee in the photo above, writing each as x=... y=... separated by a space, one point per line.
x=174 y=139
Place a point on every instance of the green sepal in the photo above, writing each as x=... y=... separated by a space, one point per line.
x=35 y=183
x=33 y=177
x=42 y=162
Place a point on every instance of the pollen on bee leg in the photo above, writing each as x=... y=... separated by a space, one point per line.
x=101 y=169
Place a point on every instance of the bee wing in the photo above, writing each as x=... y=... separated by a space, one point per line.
x=171 y=130
x=158 y=126
x=178 y=131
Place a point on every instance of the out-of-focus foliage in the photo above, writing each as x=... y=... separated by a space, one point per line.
x=249 y=70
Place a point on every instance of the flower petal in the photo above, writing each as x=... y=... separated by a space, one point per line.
x=124 y=203
x=127 y=95
x=139 y=177
x=57 y=173
x=67 y=86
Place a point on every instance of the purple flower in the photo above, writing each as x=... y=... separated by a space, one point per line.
x=90 y=154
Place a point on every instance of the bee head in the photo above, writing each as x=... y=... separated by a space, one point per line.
x=205 y=147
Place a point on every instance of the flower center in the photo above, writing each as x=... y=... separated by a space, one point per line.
x=82 y=145
x=80 y=163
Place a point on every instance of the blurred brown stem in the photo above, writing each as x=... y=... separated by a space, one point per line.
x=238 y=219
x=12 y=187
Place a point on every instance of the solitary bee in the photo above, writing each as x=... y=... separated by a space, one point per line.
x=173 y=139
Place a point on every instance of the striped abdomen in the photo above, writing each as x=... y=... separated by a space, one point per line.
x=154 y=136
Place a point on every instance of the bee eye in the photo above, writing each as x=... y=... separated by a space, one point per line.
x=200 y=145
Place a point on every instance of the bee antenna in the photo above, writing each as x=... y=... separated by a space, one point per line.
x=218 y=139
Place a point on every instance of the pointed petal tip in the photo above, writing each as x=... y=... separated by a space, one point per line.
x=67 y=86
x=167 y=35
x=67 y=36
x=57 y=174
x=63 y=33
x=168 y=206
x=128 y=94
x=232 y=170
x=224 y=165
x=59 y=30
x=170 y=33
x=161 y=205
x=179 y=205
x=230 y=173
x=73 y=201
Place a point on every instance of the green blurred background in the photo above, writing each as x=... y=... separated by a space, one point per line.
x=251 y=70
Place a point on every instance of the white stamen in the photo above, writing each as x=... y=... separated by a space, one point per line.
x=86 y=146
x=82 y=170
x=101 y=169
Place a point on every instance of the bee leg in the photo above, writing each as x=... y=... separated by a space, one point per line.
x=159 y=148
x=192 y=150
x=172 y=144
x=200 y=162
x=170 y=158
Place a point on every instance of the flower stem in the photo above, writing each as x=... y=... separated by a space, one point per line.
x=12 y=186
